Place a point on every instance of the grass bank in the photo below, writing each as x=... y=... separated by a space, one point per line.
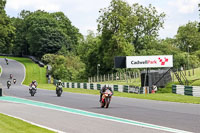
x=13 y=125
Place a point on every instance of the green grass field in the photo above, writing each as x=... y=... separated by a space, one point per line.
x=193 y=76
x=12 y=125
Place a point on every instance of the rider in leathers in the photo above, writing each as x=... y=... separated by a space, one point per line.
x=103 y=89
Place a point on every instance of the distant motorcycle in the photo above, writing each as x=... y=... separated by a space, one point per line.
x=14 y=81
x=32 y=90
x=106 y=98
x=6 y=61
x=8 y=84
x=59 y=90
x=11 y=76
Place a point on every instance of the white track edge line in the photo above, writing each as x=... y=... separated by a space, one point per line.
x=55 y=130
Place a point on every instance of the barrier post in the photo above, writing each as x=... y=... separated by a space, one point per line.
x=1 y=90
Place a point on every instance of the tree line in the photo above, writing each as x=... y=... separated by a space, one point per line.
x=123 y=30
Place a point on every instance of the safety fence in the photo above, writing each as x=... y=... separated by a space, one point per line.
x=186 y=90
x=41 y=64
x=94 y=86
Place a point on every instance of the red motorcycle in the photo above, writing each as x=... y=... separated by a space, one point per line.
x=106 y=98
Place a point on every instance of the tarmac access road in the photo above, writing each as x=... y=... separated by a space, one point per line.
x=184 y=117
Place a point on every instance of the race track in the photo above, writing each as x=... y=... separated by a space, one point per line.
x=173 y=115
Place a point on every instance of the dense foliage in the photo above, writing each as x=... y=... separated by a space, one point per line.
x=41 y=32
x=7 y=30
x=123 y=30
x=67 y=67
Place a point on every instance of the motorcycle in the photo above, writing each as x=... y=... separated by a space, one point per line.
x=32 y=90
x=59 y=90
x=14 y=81
x=106 y=98
x=11 y=76
x=8 y=84
x=6 y=61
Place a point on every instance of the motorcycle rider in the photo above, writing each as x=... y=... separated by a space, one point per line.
x=11 y=76
x=103 y=89
x=33 y=83
x=6 y=61
x=59 y=83
x=14 y=81
x=8 y=83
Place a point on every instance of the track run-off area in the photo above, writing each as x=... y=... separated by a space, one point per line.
x=73 y=112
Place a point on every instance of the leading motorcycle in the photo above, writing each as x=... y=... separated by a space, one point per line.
x=106 y=98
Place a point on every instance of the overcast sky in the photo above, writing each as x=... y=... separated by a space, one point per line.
x=84 y=13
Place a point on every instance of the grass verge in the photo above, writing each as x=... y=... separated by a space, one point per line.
x=13 y=125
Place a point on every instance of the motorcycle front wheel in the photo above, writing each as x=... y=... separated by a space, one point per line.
x=59 y=92
x=107 y=100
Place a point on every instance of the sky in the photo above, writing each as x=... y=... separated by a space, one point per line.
x=84 y=13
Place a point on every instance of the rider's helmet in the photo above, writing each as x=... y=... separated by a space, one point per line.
x=59 y=81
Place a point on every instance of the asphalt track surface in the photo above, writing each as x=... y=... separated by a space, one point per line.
x=174 y=115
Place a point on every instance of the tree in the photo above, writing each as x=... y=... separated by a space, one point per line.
x=188 y=35
x=126 y=30
x=114 y=24
x=88 y=52
x=69 y=68
x=41 y=32
x=148 y=23
x=7 y=31
x=199 y=17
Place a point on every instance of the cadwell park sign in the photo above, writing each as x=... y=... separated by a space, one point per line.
x=149 y=61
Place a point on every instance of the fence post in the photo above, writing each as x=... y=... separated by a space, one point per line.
x=112 y=77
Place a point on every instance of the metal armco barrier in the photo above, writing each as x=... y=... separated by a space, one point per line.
x=186 y=90
x=93 y=86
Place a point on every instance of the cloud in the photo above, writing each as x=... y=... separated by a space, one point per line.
x=47 y=5
x=184 y=6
